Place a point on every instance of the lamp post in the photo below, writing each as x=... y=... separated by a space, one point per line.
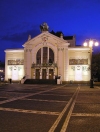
x=90 y=43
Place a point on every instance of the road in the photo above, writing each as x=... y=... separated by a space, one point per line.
x=49 y=108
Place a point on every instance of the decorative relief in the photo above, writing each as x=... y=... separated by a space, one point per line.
x=78 y=61
x=60 y=49
x=85 y=68
x=10 y=68
x=28 y=50
x=73 y=68
x=78 y=67
x=19 y=68
x=44 y=39
x=16 y=62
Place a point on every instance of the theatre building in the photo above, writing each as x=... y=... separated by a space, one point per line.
x=48 y=56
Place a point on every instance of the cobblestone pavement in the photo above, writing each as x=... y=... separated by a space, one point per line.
x=49 y=108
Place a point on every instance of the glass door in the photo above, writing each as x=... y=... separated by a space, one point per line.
x=37 y=74
x=51 y=73
x=43 y=73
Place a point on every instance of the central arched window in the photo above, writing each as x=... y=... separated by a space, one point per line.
x=45 y=55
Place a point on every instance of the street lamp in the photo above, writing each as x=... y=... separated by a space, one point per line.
x=90 y=43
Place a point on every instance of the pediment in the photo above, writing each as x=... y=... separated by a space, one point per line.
x=44 y=38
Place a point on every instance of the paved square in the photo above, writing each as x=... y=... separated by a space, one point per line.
x=48 y=108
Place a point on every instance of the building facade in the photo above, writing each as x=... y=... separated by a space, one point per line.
x=47 y=56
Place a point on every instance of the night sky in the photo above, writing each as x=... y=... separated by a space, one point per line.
x=20 y=18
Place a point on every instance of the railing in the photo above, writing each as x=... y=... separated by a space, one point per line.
x=23 y=80
x=44 y=65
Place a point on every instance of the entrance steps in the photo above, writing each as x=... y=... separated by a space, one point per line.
x=40 y=81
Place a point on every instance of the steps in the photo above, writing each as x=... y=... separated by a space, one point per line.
x=40 y=81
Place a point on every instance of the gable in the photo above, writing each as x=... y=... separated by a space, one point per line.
x=44 y=38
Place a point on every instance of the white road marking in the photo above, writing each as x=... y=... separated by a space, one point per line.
x=29 y=111
x=13 y=99
x=59 y=117
x=85 y=114
x=55 y=94
x=44 y=100
x=64 y=127
x=52 y=129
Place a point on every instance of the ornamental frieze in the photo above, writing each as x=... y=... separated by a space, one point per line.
x=78 y=61
x=44 y=65
x=16 y=62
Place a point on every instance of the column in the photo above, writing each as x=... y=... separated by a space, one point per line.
x=42 y=55
x=48 y=54
x=66 y=64
x=28 y=61
x=40 y=73
x=53 y=73
x=34 y=74
x=47 y=71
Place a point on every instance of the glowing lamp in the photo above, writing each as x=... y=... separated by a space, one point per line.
x=85 y=44
x=96 y=43
x=90 y=43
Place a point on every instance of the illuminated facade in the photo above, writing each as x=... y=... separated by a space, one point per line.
x=14 y=64
x=47 y=56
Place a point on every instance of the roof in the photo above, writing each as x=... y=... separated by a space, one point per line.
x=14 y=50
x=59 y=33
x=68 y=37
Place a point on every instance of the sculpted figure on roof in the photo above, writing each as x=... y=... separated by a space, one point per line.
x=44 y=27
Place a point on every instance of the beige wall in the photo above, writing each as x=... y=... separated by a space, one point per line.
x=15 y=72
x=79 y=72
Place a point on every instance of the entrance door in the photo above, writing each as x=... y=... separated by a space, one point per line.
x=51 y=74
x=78 y=73
x=43 y=73
x=37 y=74
x=15 y=73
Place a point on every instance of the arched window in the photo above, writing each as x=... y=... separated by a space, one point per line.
x=45 y=55
x=51 y=56
x=38 y=57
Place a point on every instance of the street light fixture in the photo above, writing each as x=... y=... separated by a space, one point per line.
x=90 y=43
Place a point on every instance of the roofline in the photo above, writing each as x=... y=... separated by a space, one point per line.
x=14 y=50
x=78 y=48
x=45 y=33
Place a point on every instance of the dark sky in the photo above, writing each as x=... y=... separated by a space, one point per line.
x=19 y=18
